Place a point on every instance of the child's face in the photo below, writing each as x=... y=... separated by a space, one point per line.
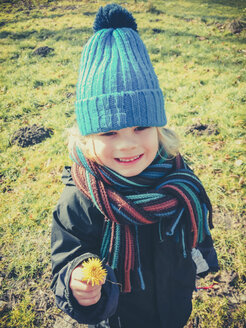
x=127 y=151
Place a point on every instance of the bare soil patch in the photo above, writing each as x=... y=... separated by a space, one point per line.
x=30 y=135
x=202 y=129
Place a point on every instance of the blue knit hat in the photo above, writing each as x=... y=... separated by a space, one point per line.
x=117 y=86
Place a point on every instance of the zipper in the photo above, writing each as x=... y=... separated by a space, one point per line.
x=119 y=322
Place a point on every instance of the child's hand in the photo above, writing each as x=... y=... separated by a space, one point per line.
x=85 y=293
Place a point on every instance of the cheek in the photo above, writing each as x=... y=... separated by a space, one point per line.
x=101 y=149
x=154 y=147
x=153 y=142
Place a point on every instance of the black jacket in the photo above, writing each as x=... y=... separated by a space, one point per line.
x=169 y=277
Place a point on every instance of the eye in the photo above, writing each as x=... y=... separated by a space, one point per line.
x=107 y=134
x=141 y=128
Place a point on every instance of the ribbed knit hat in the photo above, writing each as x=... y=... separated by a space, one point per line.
x=117 y=86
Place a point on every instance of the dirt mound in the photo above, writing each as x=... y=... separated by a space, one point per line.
x=236 y=26
x=202 y=129
x=30 y=135
x=43 y=51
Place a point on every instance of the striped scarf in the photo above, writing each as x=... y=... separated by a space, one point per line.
x=167 y=193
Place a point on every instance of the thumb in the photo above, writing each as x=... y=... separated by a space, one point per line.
x=78 y=273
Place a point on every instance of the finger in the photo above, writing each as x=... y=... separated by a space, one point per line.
x=88 y=301
x=86 y=285
x=83 y=286
x=86 y=295
x=77 y=273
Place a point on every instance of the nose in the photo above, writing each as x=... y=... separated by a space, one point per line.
x=126 y=142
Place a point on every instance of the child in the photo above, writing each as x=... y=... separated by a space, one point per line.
x=129 y=199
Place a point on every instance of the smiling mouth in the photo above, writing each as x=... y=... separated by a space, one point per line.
x=128 y=159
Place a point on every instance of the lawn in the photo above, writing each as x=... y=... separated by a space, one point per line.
x=198 y=51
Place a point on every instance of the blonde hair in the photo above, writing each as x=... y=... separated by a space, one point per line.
x=168 y=139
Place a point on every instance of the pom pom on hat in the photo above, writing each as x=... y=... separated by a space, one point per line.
x=114 y=16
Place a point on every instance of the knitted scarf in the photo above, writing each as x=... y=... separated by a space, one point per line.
x=167 y=193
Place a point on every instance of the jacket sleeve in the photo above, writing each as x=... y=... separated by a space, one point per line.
x=75 y=237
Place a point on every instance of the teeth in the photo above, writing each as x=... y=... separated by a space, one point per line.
x=129 y=160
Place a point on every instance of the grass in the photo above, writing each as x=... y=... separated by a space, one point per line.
x=201 y=67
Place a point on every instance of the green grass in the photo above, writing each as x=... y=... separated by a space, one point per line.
x=201 y=68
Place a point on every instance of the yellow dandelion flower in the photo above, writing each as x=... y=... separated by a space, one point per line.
x=93 y=271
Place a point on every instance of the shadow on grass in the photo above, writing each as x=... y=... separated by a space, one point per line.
x=15 y=36
x=205 y=49
x=33 y=13
x=65 y=34
x=229 y=37
x=203 y=18
x=239 y=4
